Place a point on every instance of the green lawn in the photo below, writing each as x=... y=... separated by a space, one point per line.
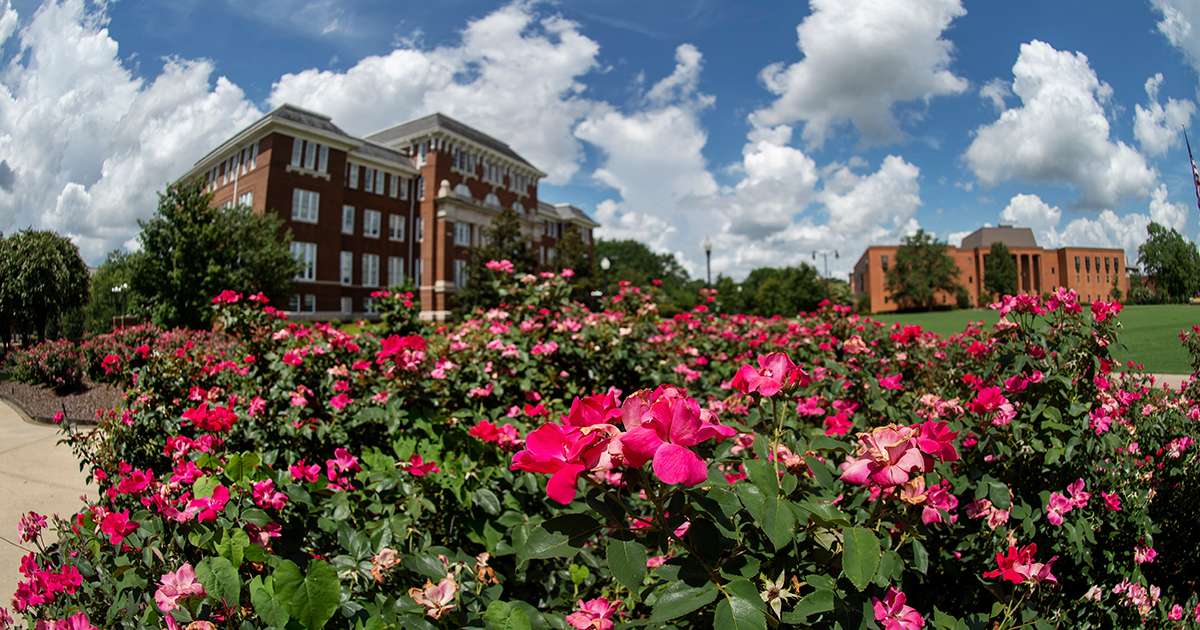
x=1150 y=334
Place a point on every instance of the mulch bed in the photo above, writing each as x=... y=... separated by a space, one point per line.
x=41 y=403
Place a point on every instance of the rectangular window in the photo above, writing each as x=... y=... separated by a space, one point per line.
x=304 y=205
x=254 y=156
x=310 y=303
x=460 y=273
x=462 y=233
x=310 y=156
x=347 y=219
x=370 y=305
x=418 y=271
x=394 y=186
x=297 y=153
x=294 y=304
x=420 y=228
x=368 y=179
x=1076 y=265
x=395 y=270
x=884 y=260
x=550 y=255
x=347 y=268
x=246 y=199
x=1097 y=264
x=371 y=223
x=420 y=189
x=404 y=188
x=353 y=175
x=323 y=163
x=395 y=227
x=306 y=253
x=370 y=270
x=1087 y=263
x=378 y=182
x=542 y=255
x=1107 y=264
x=347 y=305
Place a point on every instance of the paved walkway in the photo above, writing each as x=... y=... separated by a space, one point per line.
x=36 y=473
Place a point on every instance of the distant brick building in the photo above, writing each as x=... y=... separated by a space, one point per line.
x=1088 y=270
x=365 y=213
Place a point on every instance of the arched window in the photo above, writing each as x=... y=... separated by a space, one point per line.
x=462 y=191
x=492 y=200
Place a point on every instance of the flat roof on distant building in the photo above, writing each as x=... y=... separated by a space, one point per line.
x=1007 y=234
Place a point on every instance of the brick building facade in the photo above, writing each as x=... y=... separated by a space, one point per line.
x=365 y=213
x=1089 y=271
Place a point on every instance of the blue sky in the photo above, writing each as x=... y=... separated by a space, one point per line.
x=776 y=129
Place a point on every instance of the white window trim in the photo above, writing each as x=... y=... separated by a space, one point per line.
x=346 y=276
x=371 y=223
x=370 y=270
x=396 y=225
x=304 y=201
x=348 y=213
x=306 y=253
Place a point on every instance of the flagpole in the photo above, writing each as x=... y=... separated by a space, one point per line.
x=1195 y=173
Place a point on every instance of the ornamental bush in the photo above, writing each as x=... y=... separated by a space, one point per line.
x=546 y=466
x=56 y=364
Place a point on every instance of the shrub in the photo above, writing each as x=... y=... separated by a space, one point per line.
x=57 y=364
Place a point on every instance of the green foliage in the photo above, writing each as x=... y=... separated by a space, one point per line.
x=783 y=291
x=42 y=277
x=921 y=269
x=103 y=303
x=1171 y=262
x=399 y=309
x=634 y=263
x=56 y=364
x=1000 y=270
x=192 y=251
x=504 y=242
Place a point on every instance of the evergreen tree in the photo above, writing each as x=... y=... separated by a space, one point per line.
x=922 y=268
x=1000 y=271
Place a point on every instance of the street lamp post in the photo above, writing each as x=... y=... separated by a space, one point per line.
x=605 y=264
x=825 y=256
x=708 y=259
x=119 y=299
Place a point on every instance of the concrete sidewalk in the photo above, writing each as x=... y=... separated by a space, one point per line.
x=38 y=474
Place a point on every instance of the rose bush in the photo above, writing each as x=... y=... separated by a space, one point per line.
x=543 y=465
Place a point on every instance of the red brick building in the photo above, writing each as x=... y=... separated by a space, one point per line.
x=365 y=213
x=1090 y=271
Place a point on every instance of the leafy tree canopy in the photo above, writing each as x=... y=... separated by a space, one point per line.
x=999 y=270
x=504 y=242
x=1171 y=262
x=104 y=303
x=633 y=262
x=42 y=275
x=192 y=251
x=921 y=269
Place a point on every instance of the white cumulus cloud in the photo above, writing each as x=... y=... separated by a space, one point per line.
x=1060 y=133
x=862 y=58
x=1031 y=212
x=89 y=145
x=512 y=73
x=1157 y=127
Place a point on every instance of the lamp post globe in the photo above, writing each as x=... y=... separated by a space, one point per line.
x=708 y=245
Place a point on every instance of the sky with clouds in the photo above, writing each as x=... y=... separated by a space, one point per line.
x=776 y=129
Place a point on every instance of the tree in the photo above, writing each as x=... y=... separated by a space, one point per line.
x=103 y=303
x=504 y=242
x=633 y=262
x=192 y=251
x=921 y=269
x=42 y=276
x=1171 y=262
x=575 y=255
x=1000 y=270
x=768 y=291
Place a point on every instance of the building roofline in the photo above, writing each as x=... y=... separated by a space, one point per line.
x=436 y=122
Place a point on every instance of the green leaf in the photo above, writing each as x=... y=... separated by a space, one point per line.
x=233 y=545
x=426 y=564
x=681 y=598
x=779 y=522
x=487 y=500
x=820 y=472
x=256 y=517
x=860 y=555
x=220 y=579
x=746 y=590
x=826 y=514
x=815 y=602
x=920 y=557
x=268 y=608
x=203 y=487
x=310 y=598
x=762 y=474
x=999 y=495
x=826 y=443
x=627 y=561
x=240 y=465
x=559 y=537
x=752 y=498
x=505 y=617
x=735 y=613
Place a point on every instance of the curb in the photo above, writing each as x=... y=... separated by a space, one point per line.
x=43 y=420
